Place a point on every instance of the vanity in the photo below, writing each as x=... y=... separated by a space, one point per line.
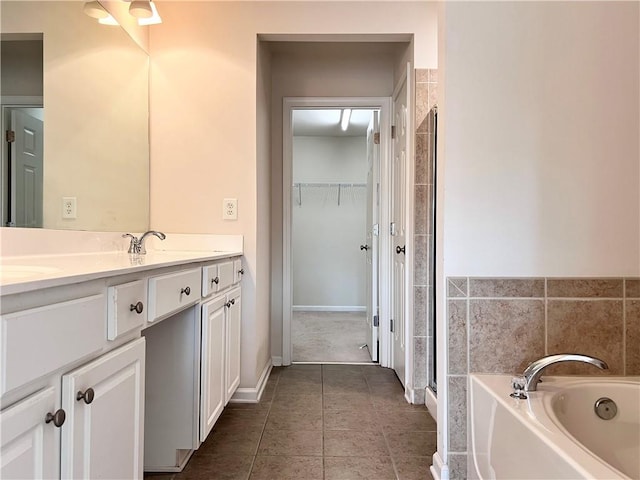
x=112 y=364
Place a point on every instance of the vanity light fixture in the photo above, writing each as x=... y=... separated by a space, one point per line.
x=140 y=9
x=95 y=10
x=154 y=19
x=344 y=119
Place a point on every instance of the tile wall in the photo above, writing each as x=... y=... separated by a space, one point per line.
x=499 y=325
x=425 y=99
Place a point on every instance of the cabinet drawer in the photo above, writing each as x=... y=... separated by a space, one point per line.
x=225 y=272
x=210 y=280
x=172 y=292
x=238 y=271
x=126 y=308
x=41 y=340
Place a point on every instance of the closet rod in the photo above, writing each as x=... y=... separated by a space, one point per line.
x=297 y=185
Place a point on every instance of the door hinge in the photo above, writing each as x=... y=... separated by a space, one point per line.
x=11 y=136
x=376 y=321
x=376 y=229
x=393 y=131
x=392 y=229
x=376 y=138
x=391 y=325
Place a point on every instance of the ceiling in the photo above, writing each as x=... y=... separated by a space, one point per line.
x=326 y=122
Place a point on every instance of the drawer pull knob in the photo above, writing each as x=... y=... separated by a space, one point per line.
x=228 y=304
x=215 y=280
x=399 y=249
x=241 y=271
x=57 y=418
x=87 y=396
x=138 y=307
x=186 y=291
x=233 y=301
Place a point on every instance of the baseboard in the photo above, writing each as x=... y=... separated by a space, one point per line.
x=439 y=469
x=276 y=361
x=328 y=308
x=431 y=401
x=252 y=395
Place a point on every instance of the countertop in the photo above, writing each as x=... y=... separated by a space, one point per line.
x=21 y=274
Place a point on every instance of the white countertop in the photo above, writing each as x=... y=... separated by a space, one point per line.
x=20 y=274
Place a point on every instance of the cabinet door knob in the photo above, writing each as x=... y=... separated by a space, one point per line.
x=233 y=301
x=228 y=304
x=186 y=291
x=364 y=247
x=399 y=249
x=138 y=307
x=241 y=271
x=57 y=418
x=215 y=280
x=87 y=396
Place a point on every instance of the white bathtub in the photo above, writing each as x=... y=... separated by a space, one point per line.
x=555 y=433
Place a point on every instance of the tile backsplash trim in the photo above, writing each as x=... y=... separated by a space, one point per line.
x=500 y=325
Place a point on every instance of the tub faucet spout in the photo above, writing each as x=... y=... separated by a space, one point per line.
x=534 y=371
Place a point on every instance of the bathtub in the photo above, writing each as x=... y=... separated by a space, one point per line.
x=555 y=433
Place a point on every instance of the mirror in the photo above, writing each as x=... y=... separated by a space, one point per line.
x=94 y=90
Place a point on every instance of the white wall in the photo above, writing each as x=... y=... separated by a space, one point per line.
x=328 y=266
x=205 y=121
x=542 y=167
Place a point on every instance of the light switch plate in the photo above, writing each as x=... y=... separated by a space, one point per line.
x=230 y=209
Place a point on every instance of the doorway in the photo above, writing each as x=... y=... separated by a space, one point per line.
x=333 y=208
x=335 y=203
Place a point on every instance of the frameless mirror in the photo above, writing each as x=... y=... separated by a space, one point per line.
x=74 y=95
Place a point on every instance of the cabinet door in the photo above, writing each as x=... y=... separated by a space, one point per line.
x=212 y=369
x=234 y=318
x=104 y=401
x=29 y=447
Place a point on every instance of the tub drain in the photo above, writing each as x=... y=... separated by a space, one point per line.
x=605 y=408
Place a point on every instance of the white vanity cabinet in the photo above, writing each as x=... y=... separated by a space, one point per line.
x=212 y=365
x=220 y=346
x=233 y=338
x=28 y=442
x=105 y=376
x=103 y=434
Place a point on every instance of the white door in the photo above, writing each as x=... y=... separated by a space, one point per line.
x=104 y=401
x=371 y=245
x=28 y=447
x=26 y=170
x=400 y=152
x=234 y=318
x=212 y=372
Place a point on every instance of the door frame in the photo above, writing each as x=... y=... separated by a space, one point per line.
x=384 y=258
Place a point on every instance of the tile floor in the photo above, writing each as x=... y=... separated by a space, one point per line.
x=319 y=422
x=329 y=337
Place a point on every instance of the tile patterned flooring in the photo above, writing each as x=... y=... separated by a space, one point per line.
x=331 y=422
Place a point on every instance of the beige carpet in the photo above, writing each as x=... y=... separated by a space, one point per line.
x=329 y=337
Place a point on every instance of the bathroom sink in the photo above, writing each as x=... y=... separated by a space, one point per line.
x=8 y=272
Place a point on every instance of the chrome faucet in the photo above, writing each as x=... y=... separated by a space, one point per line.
x=137 y=245
x=528 y=382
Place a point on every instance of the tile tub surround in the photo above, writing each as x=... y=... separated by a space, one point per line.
x=500 y=325
x=319 y=422
x=425 y=99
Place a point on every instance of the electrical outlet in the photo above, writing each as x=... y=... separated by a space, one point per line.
x=69 y=207
x=230 y=209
